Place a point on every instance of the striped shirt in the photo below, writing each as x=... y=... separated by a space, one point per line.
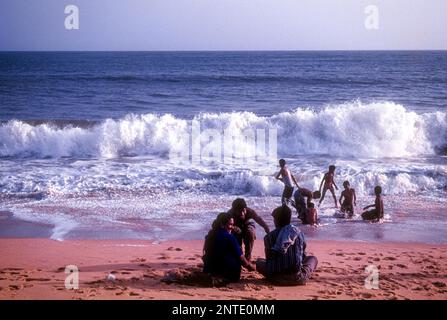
x=278 y=263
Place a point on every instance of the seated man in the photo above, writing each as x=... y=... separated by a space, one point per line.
x=244 y=228
x=286 y=261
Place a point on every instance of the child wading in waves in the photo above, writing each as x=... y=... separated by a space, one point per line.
x=286 y=177
x=329 y=184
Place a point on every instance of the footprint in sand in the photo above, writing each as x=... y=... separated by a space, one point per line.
x=174 y=249
x=187 y=293
x=389 y=258
x=145 y=265
x=110 y=287
x=367 y=295
x=439 y=284
x=14 y=287
x=350 y=293
x=12 y=269
x=417 y=289
x=249 y=287
x=37 y=279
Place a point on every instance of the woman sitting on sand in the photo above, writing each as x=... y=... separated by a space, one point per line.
x=222 y=254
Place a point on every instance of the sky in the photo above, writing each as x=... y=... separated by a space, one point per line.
x=225 y=25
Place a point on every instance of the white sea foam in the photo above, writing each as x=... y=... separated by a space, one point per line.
x=360 y=139
x=372 y=130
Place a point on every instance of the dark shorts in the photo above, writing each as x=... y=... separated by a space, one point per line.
x=248 y=233
x=370 y=215
x=287 y=193
x=348 y=208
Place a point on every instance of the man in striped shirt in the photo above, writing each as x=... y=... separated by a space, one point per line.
x=285 y=260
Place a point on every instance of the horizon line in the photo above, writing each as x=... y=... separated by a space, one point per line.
x=238 y=50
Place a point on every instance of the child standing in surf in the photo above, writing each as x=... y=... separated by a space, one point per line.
x=286 y=177
x=329 y=184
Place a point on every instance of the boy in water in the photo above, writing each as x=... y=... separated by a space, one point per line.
x=350 y=200
x=329 y=184
x=375 y=214
x=286 y=177
x=303 y=198
x=312 y=216
x=306 y=193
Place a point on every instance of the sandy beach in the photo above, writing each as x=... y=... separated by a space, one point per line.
x=35 y=269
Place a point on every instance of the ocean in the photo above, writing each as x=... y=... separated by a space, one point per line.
x=86 y=140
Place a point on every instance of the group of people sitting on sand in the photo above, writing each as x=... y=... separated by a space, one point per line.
x=302 y=198
x=286 y=261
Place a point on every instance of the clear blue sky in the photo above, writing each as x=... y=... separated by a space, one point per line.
x=223 y=25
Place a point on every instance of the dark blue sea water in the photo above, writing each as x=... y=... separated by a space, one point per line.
x=86 y=138
x=99 y=85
